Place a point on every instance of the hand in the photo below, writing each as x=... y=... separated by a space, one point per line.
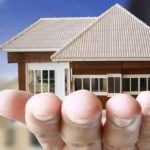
x=75 y=123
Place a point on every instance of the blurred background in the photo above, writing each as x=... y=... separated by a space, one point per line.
x=15 y=15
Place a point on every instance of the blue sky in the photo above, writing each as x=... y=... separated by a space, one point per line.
x=15 y=15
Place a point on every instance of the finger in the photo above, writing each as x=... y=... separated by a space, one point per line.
x=43 y=120
x=81 y=121
x=12 y=104
x=123 y=118
x=144 y=140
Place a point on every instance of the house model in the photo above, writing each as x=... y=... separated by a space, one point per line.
x=108 y=54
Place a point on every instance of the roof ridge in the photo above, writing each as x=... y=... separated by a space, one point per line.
x=68 y=18
x=86 y=29
x=20 y=33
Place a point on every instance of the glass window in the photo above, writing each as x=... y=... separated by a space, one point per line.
x=86 y=83
x=31 y=81
x=103 y=85
x=78 y=84
x=117 y=84
x=91 y=84
x=38 y=81
x=143 y=84
x=45 y=80
x=95 y=84
x=126 y=84
x=114 y=85
x=52 y=81
x=149 y=84
x=134 y=84
x=66 y=82
x=111 y=85
x=52 y=74
x=41 y=81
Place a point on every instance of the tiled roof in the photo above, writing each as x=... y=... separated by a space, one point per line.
x=116 y=35
x=48 y=34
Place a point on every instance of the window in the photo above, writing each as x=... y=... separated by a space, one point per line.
x=31 y=81
x=86 y=83
x=91 y=83
x=66 y=82
x=103 y=85
x=41 y=81
x=38 y=81
x=143 y=84
x=149 y=84
x=114 y=85
x=95 y=85
x=111 y=85
x=45 y=80
x=52 y=81
x=78 y=84
x=136 y=83
x=126 y=84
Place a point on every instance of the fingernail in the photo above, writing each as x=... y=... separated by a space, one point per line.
x=146 y=110
x=146 y=114
x=122 y=122
x=78 y=120
x=44 y=117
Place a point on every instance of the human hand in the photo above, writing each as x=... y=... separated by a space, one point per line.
x=75 y=123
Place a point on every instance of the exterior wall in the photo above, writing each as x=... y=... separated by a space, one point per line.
x=29 y=57
x=77 y=68
x=108 y=68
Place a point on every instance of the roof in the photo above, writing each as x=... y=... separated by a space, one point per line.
x=116 y=35
x=47 y=34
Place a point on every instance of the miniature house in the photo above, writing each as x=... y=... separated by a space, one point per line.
x=108 y=54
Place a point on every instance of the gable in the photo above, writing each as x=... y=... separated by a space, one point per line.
x=116 y=35
x=47 y=34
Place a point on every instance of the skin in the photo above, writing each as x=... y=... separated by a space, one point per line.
x=144 y=139
x=75 y=123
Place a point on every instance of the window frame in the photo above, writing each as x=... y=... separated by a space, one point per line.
x=138 y=76
x=90 y=77
x=114 y=76
x=41 y=80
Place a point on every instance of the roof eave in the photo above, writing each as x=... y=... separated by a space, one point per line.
x=101 y=59
x=30 y=49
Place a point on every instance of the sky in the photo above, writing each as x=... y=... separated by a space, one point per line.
x=16 y=15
